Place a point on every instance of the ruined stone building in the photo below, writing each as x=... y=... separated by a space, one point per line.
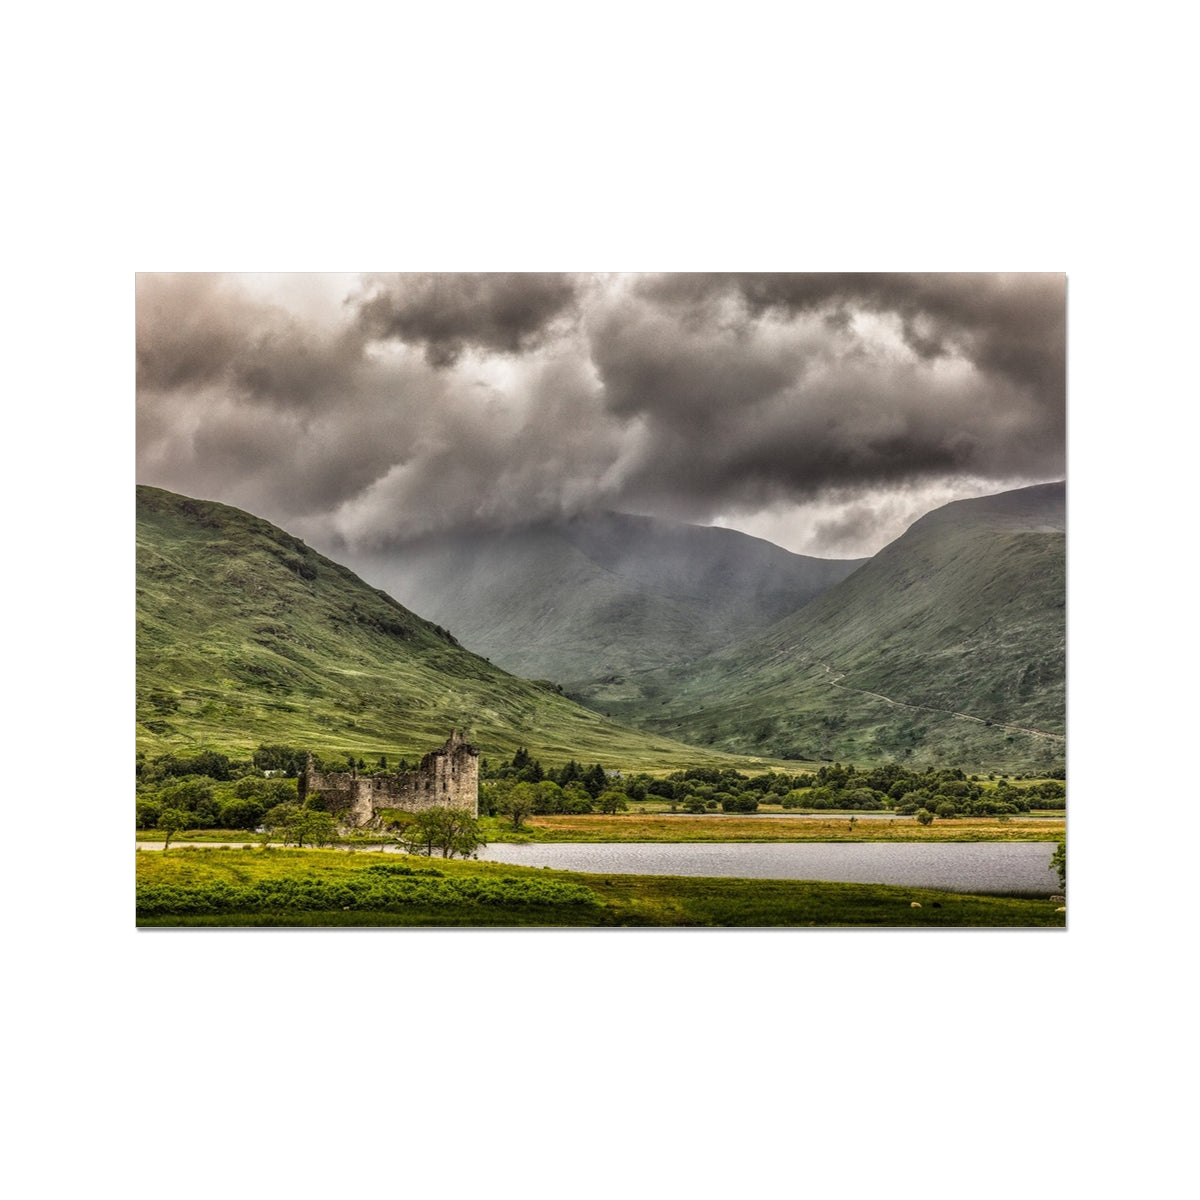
x=447 y=777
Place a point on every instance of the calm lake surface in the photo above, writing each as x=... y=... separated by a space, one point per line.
x=1022 y=867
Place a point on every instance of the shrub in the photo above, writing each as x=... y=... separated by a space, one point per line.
x=368 y=890
x=924 y=816
x=747 y=802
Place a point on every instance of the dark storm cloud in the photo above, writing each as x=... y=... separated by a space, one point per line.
x=413 y=403
x=752 y=389
x=199 y=330
x=1014 y=325
x=447 y=314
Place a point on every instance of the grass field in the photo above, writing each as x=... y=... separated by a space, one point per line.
x=290 y=888
x=656 y=827
x=637 y=827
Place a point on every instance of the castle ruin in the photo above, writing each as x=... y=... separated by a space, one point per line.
x=448 y=777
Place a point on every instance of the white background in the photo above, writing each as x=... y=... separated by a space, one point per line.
x=651 y=136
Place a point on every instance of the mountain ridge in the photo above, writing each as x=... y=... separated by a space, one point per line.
x=245 y=635
x=583 y=598
x=958 y=622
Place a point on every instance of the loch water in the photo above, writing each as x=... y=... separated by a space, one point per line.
x=978 y=867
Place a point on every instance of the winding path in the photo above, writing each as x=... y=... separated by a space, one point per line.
x=1057 y=737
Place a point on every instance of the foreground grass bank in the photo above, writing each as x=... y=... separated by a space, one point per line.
x=288 y=888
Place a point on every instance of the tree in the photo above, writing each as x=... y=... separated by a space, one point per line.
x=1058 y=861
x=575 y=799
x=311 y=826
x=549 y=796
x=595 y=780
x=450 y=830
x=611 y=801
x=924 y=816
x=746 y=803
x=147 y=814
x=518 y=803
x=241 y=814
x=275 y=820
x=171 y=821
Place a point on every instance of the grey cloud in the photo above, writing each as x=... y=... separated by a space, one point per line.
x=489 y=400
x=448 y=314
x=202 y=330
x=1014 y=325
x=737 y=410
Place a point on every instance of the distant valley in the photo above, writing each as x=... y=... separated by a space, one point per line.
x=589 y=601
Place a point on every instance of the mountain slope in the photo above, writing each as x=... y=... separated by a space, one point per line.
x=963 y=614
x=245 y=636
x=592 y=598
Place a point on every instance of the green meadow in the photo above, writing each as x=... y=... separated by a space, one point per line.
x=268 y=887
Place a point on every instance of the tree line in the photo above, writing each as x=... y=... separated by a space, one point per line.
x=209 y=790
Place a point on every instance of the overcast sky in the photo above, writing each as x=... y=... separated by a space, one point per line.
x=823 y=412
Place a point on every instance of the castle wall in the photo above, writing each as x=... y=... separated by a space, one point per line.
x=447 y=778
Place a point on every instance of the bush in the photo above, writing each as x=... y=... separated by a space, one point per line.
x=924 y=816
x=747 y=802
x=368 y=890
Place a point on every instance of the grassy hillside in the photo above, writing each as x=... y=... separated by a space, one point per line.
x=247 y=636
x=589 y=602
x=963 y=614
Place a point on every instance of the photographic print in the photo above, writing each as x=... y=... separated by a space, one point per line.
x=601 y=600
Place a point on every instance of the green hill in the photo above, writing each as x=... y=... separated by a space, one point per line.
x=247 y=636
x=594 y=601
x=963 y=614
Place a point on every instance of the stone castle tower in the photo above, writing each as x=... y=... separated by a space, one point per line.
x=448 y=777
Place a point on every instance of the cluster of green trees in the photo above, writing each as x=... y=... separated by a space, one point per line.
x=211 y=791
x=522 y=787
x=445 y=831
x=211 y=802
x=523 y=768
x=944 y=792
